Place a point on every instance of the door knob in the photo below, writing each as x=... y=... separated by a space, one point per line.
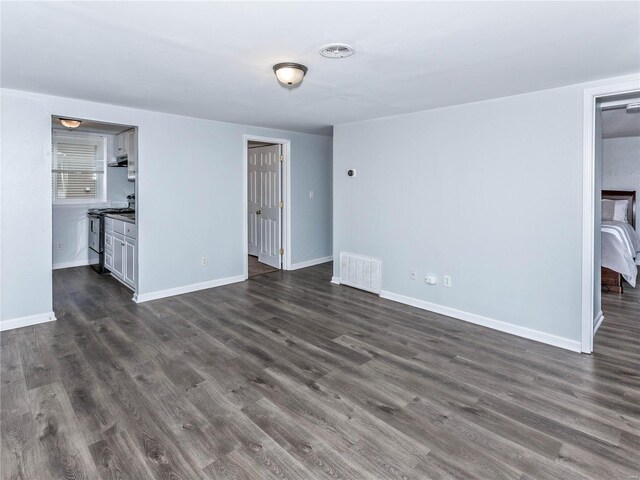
x=259 y=212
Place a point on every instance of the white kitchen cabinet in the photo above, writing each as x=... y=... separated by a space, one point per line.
x=132 y=154
x=118 y=257
x=120 y=250
x=127 y=144
x=130 y=261
x=108 y=259
x=130 y=230
x=118 y=227
x=108 y=243
x=122 y=144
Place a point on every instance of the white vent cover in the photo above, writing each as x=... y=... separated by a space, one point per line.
x=337 y=50
x=360 y=272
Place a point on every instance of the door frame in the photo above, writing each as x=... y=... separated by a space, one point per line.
x=285 y=181
x=591 y=95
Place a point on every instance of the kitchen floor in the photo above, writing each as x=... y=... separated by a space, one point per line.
x=257 y=268
x=291 y=376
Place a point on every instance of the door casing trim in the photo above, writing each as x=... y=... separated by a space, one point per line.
x=590 y=96
x=286 y=195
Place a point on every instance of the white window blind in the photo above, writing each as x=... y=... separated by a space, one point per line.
x=78 y=168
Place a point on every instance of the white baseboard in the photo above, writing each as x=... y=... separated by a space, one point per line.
x=311 y=263
x=26 y=321
x=335 y=280
x=194 y=287
x=538 y=336
x=75 y=263
x=598 y=321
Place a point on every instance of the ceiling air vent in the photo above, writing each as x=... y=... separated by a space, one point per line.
x=337 y=50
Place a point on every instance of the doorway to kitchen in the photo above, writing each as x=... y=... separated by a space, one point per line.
x=267 y=217
x=94 y=171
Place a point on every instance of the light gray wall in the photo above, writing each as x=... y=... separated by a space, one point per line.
x=70 y=224
x=621 y=166
x=489 y=193
x=190 y=196
x=312 y=217
x=25 y=208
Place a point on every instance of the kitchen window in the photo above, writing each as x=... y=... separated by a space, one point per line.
x=78 y=173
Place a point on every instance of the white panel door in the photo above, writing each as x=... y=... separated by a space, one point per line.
x=253 y=196
x=269 y=214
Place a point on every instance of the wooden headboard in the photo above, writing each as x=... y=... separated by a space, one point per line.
x=624 y=195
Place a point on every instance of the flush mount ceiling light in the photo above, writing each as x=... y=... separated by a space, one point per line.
x=337 y=50
x=633 y=108
x=289 y=73
x=70 y=123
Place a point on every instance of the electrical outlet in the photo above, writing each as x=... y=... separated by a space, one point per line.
x=59 y=246
x=413 y=273
x=311 y=194
x=205 y=261
x=447 y=280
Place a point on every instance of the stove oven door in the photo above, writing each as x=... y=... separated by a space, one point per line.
x=95 y=242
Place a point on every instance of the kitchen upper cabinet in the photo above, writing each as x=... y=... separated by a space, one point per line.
x=132 y=154
x=122 y=144
x=127 y=145
x=130 y=261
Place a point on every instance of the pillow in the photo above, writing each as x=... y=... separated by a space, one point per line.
x=620 y=210
x=608 y=209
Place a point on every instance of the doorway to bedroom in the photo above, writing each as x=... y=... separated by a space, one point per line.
x=616 y=189
x=267 y=224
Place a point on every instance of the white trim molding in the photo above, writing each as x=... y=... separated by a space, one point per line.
x=591 y=95
x=194 y=287
x=538 y=336
x=311 y=263
x=286 y=196
x=75 y=263
x=26 y=321
x=335 y=280
x=598 y=321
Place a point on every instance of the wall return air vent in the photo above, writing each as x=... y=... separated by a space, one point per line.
x=360 y=272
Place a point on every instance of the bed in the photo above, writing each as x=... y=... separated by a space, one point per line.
x=620 y=242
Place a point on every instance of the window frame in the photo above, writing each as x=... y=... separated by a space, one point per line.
x=101 y=183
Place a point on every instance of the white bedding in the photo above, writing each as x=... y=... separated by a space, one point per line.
x=621 y=249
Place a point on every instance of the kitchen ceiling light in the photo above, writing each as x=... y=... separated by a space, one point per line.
x=70 y=123
x=633 y=107
x=289 y=74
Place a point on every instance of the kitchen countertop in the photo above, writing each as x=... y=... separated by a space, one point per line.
x=125 y=217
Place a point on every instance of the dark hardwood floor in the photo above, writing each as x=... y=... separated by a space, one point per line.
x=257 y=268
x=289 y=376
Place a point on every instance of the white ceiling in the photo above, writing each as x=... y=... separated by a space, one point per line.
x=213 y=59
